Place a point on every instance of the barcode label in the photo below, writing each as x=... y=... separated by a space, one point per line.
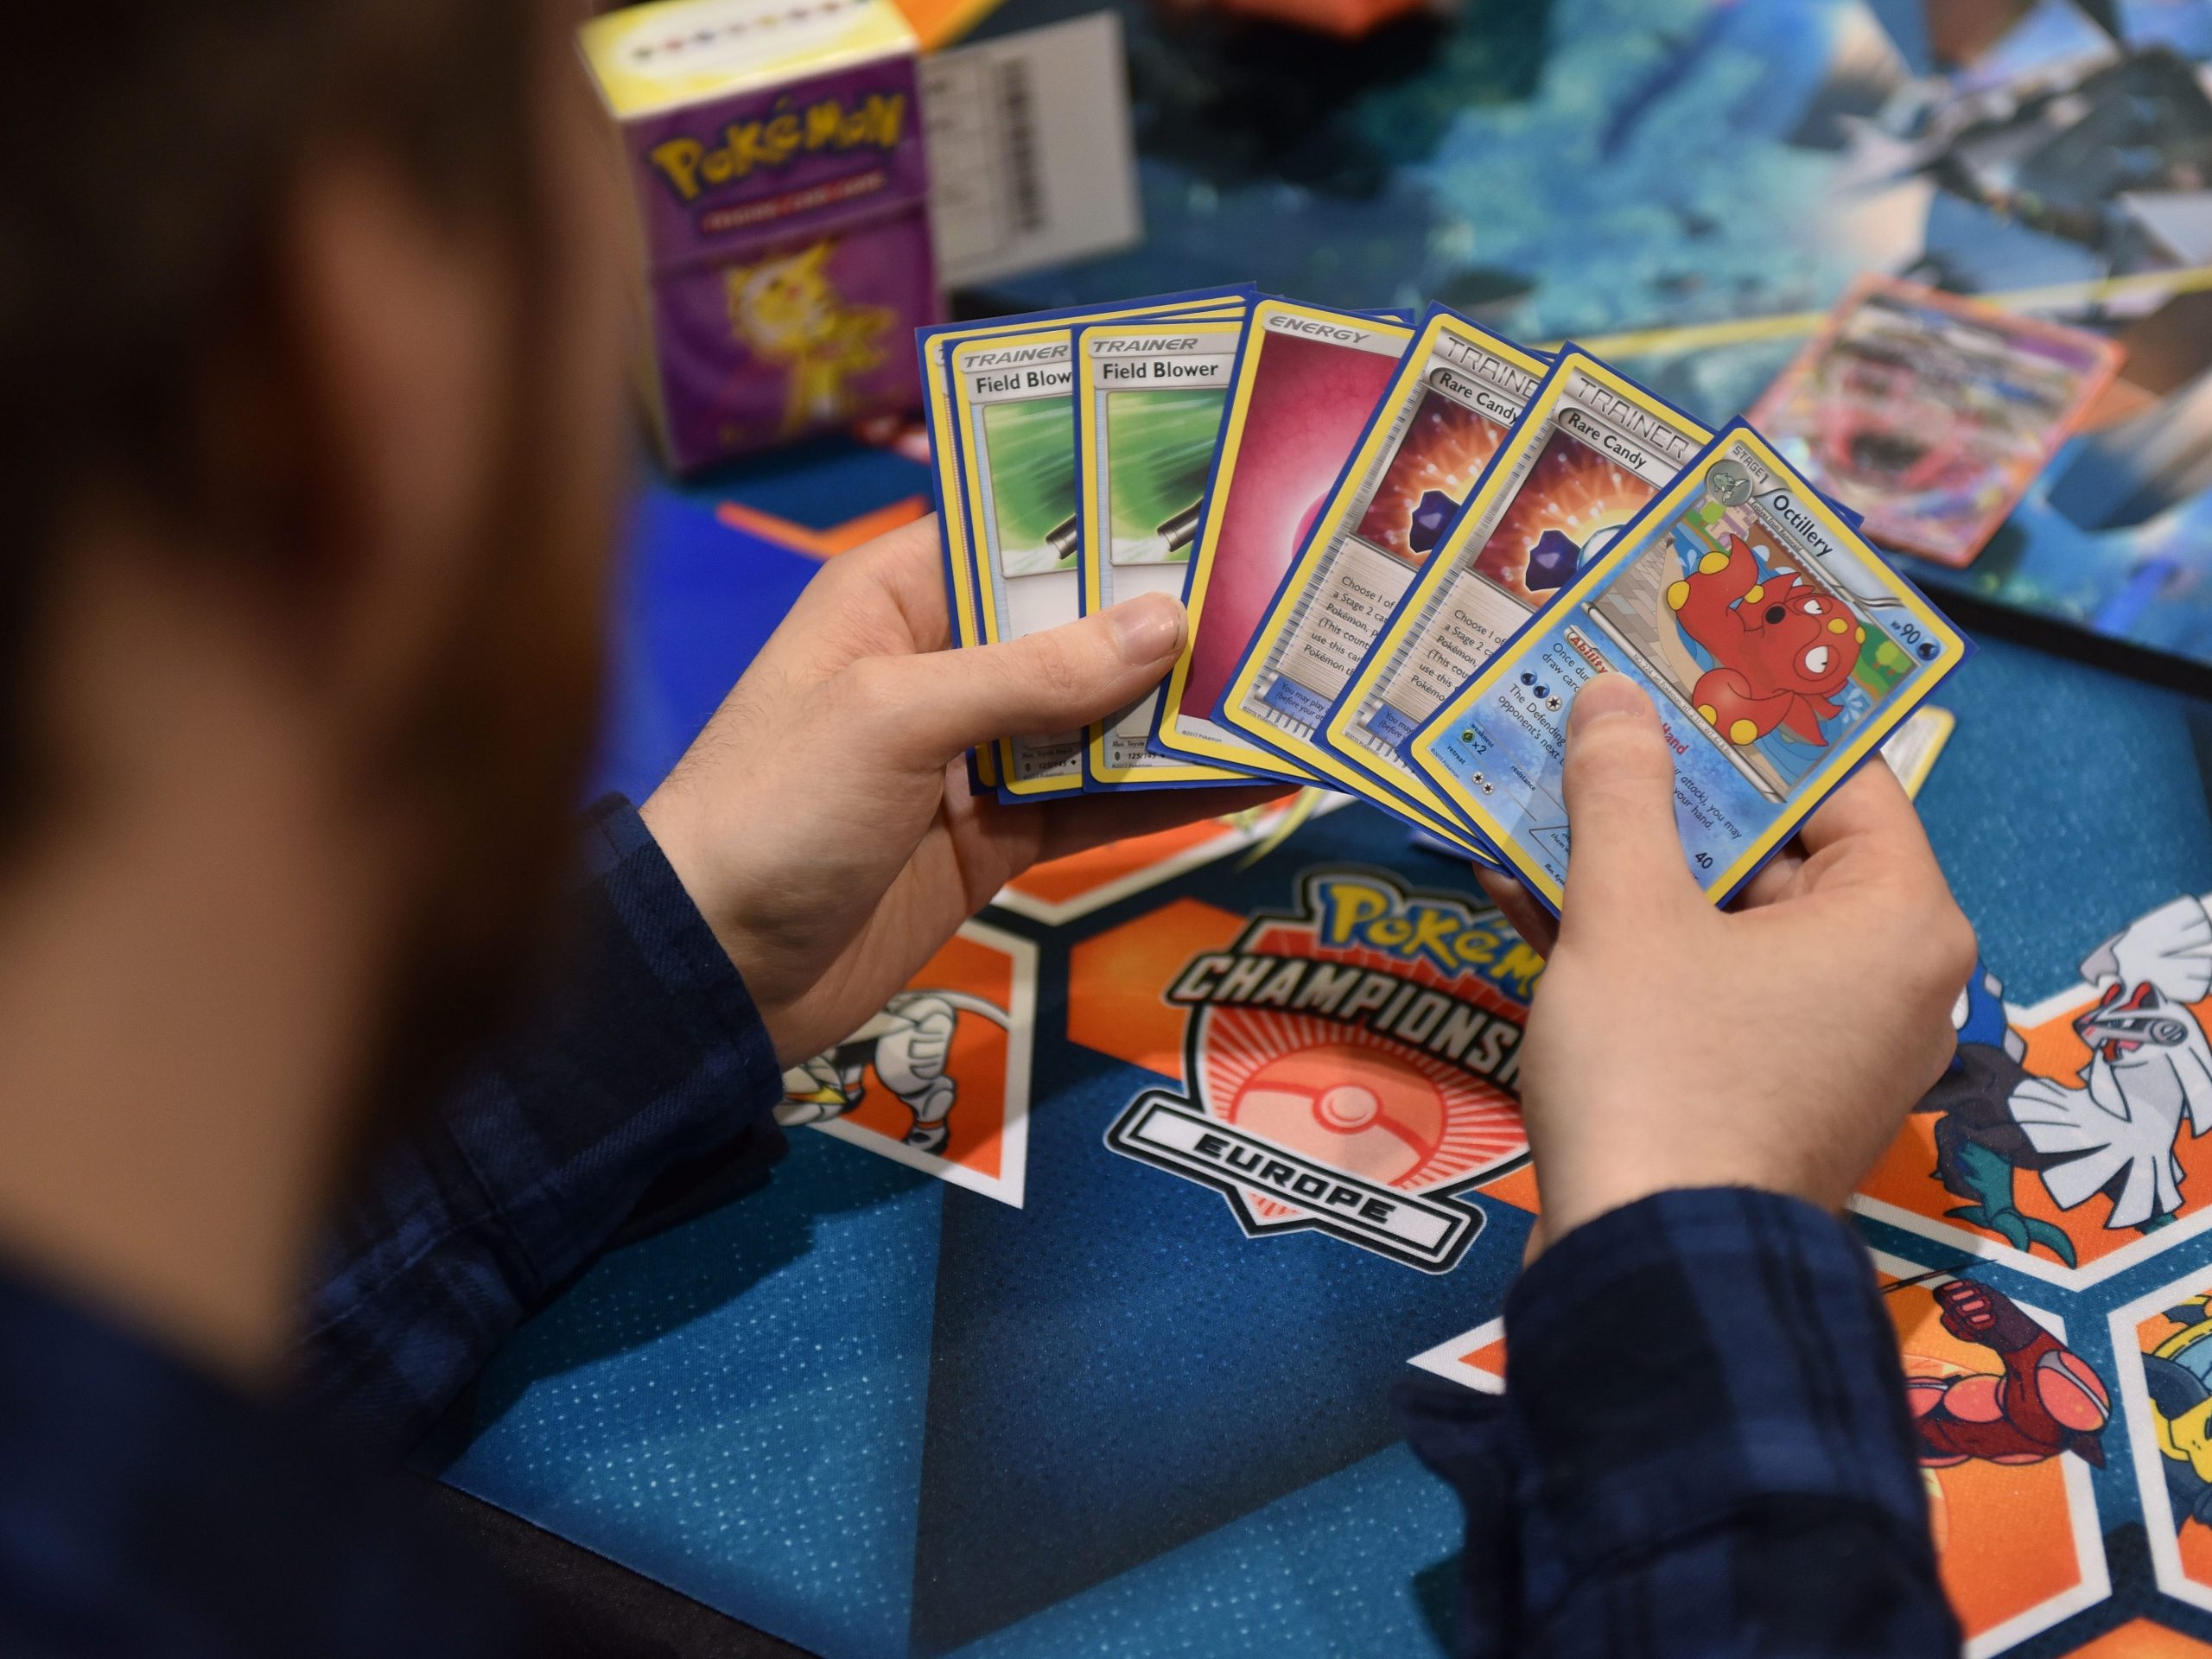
x=1025 y=173
x=1030 y=159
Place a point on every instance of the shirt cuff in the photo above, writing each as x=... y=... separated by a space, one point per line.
x=1679 y=1358
x=653 y=1057
x=675 y=946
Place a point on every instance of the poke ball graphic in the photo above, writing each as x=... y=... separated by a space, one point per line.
x=1354 y=1109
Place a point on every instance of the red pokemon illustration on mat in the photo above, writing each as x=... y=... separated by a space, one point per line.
x=2007 y=1416
x=2009 y=1421
x=2045 y=1401
x=1782 y=648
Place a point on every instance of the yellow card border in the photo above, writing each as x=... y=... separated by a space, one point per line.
x=971 y=480
x=1394 y=633
x=1664 y=508
x=1946 y=723
x=1086 y=455
x=952 y=517
x=1304 y=751
x=1245 y=757
x=944 y=462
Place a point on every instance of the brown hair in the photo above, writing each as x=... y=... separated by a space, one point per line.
x=149 y=149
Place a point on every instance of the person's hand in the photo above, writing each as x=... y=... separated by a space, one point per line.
x=823 y=822
x=1776 y=1046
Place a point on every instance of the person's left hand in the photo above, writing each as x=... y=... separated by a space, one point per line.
x=823 y=822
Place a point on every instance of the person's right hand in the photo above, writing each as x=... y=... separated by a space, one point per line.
x=1777 y=1045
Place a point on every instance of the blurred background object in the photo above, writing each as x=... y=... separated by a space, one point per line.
x=1686 y=186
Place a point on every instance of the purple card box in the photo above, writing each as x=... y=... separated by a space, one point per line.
x=788 y=259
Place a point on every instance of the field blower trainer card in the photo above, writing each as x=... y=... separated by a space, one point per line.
x=1012 y=420
x=1779 y=647
x=1148 y=407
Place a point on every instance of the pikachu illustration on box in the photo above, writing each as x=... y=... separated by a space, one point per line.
x=786 y=310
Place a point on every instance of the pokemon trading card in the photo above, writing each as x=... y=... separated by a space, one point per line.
x=1779 y=647
x=1456 y=394
x=1149 y=398
x=952 y=522
x=1591 y=450
x=1305 y=382
x=1932 y=414
x=1913 y=748
x=935 y=345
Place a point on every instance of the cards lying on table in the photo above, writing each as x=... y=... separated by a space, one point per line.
x=1401 y=549
x=1932 y=414
x=1780 y=649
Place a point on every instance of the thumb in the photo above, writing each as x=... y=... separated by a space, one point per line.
x=930 y=707
x=1624 y=850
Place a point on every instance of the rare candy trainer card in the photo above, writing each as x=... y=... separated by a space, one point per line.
x=1149 y=414
x=1306 y=381
x=1455 y=396
x=1591 y=450
x=1778 y=646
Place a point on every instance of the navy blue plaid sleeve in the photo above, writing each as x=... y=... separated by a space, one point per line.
x=1703 y=1447
x=646 y=1079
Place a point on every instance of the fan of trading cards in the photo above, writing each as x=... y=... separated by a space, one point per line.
x=1405 y=546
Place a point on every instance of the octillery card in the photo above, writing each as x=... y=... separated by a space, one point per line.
x=1591 y=450
x=1932 y=414
x=1306 y=381
x=1149 y=419
x=1456 y=395
x=1779 y=647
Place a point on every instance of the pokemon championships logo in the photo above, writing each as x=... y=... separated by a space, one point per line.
x=1350 y=1067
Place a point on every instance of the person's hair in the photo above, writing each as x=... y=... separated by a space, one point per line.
x=149 y=149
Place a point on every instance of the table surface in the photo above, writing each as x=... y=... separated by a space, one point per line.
x=876 y=1413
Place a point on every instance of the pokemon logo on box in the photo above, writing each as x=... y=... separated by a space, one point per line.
x=774 y=157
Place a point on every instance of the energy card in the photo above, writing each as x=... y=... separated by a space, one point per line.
x=1148 y=416
x=1930 y=413
x=963 y=581
x=1305 y=382
x=1780 y=649
x=1591 y=451
x=1456 y=395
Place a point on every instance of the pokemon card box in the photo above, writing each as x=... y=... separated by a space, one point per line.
x=774 y=158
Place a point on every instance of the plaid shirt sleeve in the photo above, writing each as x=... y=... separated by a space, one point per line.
x=1702 y=1448
x=648 y=1079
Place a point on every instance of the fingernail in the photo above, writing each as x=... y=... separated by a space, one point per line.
x=1147 y=629
x=1602 y=698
